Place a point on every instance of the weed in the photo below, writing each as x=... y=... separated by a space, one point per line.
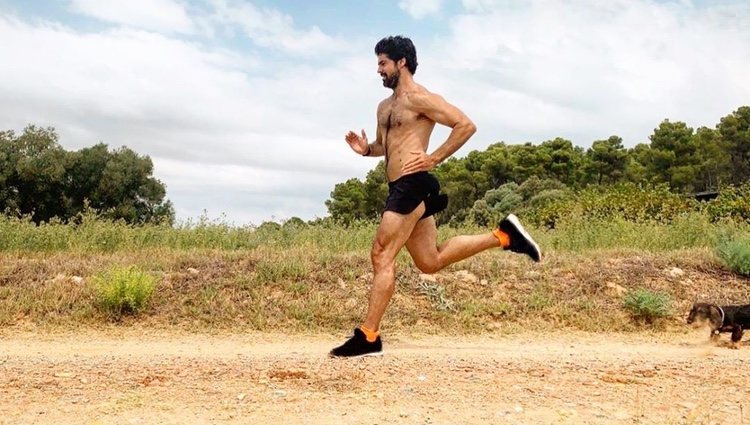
x=436 y=294
x=647 y=305
x=539 y=299
x=735 y=253
x=123 y=290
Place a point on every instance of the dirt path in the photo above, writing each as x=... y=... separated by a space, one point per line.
x=149 y=378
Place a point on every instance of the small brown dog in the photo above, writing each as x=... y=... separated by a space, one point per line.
x=728 y=318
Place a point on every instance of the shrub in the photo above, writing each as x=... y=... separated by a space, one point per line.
x=495 y=204
x=628 y=201
x=735 y=253
x=733 y=202
x=436 y=294
x=533 y=186
x=646 y=305
x=123 y=290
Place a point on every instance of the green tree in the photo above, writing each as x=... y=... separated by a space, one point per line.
x=85 y=175
x=35 y=181
x=526 y=162
x=494 y=205
x=41 y=179
x=607 y=160
x=715 y=168
x=128 y=191
x=375 y=191
x=673 y=157
x=735 y=132
x=561 y=161
x=497 y=165
x=635 y=168
x=534 y=186
x=347 y=201
x=8 y=159
x=463 y=187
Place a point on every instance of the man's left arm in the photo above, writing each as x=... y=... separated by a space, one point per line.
x=439 y=110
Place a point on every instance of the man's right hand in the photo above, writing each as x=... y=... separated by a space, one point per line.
x=356 y=142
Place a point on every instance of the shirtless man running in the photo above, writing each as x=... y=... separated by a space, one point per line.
x=405 y=121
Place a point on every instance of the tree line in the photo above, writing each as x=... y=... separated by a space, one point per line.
x=41 y=180
x=679 y=157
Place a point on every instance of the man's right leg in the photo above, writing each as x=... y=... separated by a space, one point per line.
x=391 y=236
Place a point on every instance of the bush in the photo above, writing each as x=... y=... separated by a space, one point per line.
x=733 y=202
x=628 y=201
x=735 y=253
x=533 y=186
x=495 y=205
x=123 y=290
x=646 y=305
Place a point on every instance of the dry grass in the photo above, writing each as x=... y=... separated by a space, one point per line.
x=318 y=290
x=214 y=276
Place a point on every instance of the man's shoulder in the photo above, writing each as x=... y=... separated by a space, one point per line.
x=385 y=102
x=422 y=98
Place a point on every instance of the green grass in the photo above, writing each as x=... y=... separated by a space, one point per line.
x=94 y=234
x=123 y=290
x=735 y=253
x=436 y=294
x=647 y=305
x=573 y=234
x=315 y=277
x=689 y=231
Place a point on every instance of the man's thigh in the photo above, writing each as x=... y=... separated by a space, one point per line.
x=395 y=229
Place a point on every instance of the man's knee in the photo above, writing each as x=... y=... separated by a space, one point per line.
x=428 y=267
x=381 y=258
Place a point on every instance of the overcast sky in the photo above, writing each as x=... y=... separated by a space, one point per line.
x=243 y=104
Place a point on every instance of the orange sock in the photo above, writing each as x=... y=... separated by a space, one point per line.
x=369 y=333
x=502 y=237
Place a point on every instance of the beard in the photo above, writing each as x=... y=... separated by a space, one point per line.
x=391 y=81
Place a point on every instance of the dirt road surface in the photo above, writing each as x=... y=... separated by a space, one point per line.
x=145 y=377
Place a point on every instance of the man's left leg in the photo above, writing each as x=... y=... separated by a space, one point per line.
x=429 y=257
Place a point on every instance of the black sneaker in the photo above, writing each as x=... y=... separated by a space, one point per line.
x=358 y=346
x=520 y=241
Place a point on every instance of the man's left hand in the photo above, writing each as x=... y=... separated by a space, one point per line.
x=420 y=162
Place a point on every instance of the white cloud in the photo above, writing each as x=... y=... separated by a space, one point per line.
x=273 y=28
x=157 y=15
x=254 y=195
x=480 y=6
x=198 y=108
x=254 y=136
x=587 y=69
x=418 y=9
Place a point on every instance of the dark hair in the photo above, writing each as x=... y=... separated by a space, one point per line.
x=397 y=47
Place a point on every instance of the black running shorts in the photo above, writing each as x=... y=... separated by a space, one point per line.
x=406 y=193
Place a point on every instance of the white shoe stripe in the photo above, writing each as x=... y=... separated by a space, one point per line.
x=514 y=220
x=375 y=354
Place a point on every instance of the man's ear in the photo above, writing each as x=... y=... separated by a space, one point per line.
x=401 y=63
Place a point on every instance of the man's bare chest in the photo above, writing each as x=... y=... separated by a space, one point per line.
x=394 y=115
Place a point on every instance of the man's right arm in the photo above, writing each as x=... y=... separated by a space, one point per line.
x=360 y=145
x=376 y=148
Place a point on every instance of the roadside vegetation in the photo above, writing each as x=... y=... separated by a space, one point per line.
x=631 y=238
x=605 y=274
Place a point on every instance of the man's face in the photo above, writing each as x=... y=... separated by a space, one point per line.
x=389 y=70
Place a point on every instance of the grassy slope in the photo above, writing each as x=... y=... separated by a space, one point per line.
x=316 y=278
